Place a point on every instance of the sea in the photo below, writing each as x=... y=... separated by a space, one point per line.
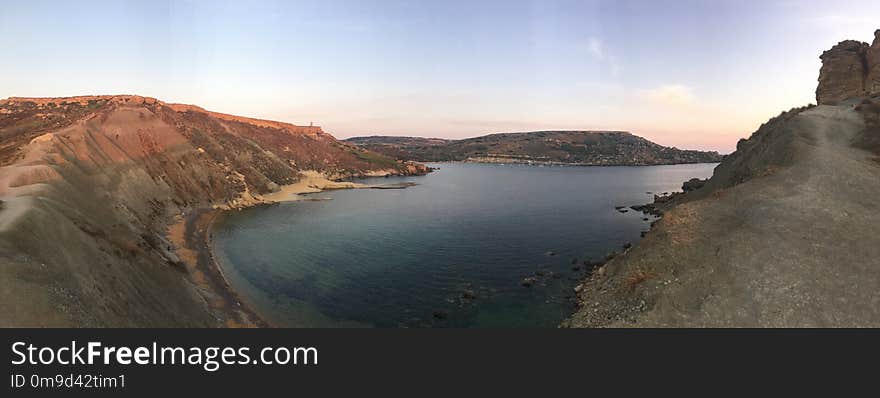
x=470 y=245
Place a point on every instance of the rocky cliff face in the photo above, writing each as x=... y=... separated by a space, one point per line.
x=849 y=69
x=872 y=58
x=88 y=186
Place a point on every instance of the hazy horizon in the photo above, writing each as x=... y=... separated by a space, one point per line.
x=690 y=74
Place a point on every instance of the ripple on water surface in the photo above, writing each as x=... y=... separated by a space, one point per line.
x=452 y=251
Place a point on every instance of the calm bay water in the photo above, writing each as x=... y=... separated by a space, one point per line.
x=450 y=252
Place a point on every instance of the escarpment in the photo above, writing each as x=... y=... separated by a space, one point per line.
x=872 y=60
x=849 y=69
x=782 y=235
x=89 y=186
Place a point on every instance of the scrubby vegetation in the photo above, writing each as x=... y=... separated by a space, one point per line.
x=375 y=158
x=567 y=147
x=870 y=139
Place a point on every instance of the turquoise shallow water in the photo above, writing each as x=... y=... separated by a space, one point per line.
x=449 y=252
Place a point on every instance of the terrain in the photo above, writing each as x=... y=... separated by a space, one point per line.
x=784 y=234
x=106 y=204
x=587 y=148
x=94 y=189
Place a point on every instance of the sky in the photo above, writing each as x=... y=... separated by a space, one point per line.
x=691 y=74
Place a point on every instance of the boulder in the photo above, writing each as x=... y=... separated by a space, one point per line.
x=693 y=184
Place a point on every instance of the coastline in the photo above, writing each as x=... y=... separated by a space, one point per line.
x=192 y=238
x=549 y=163
x=207 y=270
x=598 y=269
x=315 y=182
x=559 y=164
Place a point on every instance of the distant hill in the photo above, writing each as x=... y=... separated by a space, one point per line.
x=588 y=148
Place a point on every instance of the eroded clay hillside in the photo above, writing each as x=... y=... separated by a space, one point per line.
x=89 y=185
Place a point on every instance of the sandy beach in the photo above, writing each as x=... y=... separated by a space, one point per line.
x=310 y=182
x=314 y=182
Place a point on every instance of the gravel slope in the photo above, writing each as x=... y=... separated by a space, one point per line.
x=795 y=245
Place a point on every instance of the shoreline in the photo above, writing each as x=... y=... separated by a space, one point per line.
x=560 y=164
x=599 y=268
x=192 y=238
x=315 y=182
x=238 y=310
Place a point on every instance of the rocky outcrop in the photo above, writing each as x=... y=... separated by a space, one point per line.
x=693 y=184
x=782 y=235
x=843 y=72
x=872 y=58
x=849 y=69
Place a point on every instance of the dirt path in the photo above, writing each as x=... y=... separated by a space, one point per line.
x=799 y=247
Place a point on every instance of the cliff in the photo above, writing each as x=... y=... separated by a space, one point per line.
x=783 y=234
x=89 y=185
x=849 y=69
x=589 y=148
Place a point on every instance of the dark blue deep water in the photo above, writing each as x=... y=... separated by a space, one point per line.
x=449 y=252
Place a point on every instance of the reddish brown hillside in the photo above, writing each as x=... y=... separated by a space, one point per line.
x=88 y=186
